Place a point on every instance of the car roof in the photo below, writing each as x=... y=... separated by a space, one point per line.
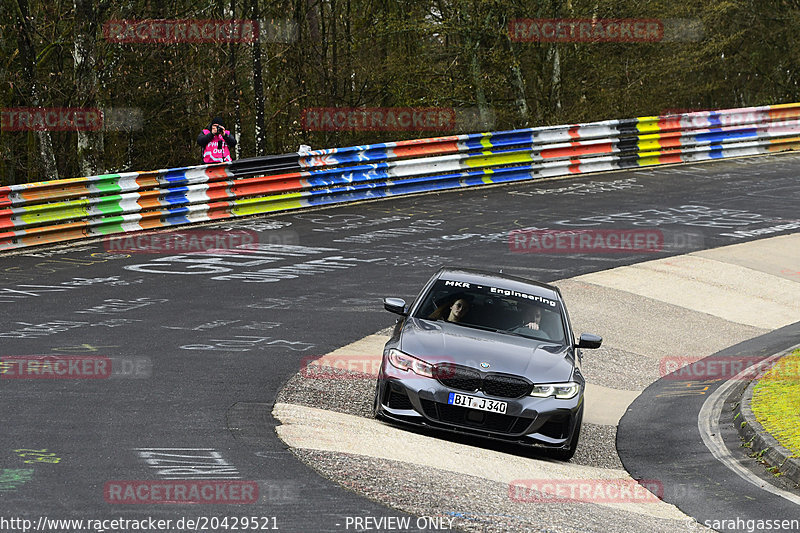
x=486 y=277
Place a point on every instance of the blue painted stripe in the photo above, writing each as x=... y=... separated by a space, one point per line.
x=173 y=175
x=722 y=136
x=175 y=199
x=176 y=215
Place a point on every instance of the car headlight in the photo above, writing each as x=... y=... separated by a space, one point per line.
x=403 y=361
x=562 y=391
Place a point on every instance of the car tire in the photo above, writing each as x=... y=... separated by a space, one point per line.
x=565 y=454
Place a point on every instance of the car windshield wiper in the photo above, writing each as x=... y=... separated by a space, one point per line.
x=526 y=335
x=478 y=326
x=465 y=324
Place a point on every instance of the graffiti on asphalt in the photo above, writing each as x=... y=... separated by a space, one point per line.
x=50 y=266
x=14 y=478
x=583 y=189
x=33 y=331
x=188 y=463
x=689 y=215
x=245 y=343
x=225 y=267
x=37 y=456
x=115 y=305
x=220 y=323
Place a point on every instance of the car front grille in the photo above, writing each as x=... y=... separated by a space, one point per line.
x=471 y=418
x=470 y=380
x=458 y=377
x=506 y=386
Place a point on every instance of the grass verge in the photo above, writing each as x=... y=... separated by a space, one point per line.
x=776 y=401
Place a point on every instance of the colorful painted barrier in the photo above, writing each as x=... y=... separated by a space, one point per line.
x=62 y=210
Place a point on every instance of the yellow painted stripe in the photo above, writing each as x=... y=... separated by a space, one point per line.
x=649 y=161
x=53 y=183
x=784 y=140
x=54 y=211
x=651 y=136
x=783 y=147
x=647 y=145
x=784 y=106
x=253 y=206
x=647 y=124
x=259 y=199
x=499 y=159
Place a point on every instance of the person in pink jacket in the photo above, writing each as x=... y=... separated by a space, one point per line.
x=216 y=142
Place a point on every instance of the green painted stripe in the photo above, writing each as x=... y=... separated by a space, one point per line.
x=107 y=229
x=110 y=205
x=110 y=225
x=108 y=184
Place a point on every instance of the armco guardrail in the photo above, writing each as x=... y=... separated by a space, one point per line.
x=62 y=210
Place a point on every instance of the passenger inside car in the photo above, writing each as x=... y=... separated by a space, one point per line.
x=454 y=312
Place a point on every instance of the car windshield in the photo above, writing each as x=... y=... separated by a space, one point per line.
x=494 y=308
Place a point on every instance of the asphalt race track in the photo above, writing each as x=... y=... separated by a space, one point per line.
x=665 y=459
x=201 y=344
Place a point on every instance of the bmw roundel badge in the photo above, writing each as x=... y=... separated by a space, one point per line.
x=484 y=364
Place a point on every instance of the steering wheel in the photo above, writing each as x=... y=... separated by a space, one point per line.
x=526 y=331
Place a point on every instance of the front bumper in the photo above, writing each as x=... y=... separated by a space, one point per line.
x=411 y=399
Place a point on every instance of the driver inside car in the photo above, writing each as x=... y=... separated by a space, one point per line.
x=533 y=316
x=532 y=322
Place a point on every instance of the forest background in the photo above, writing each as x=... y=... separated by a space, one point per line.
x=458 y=55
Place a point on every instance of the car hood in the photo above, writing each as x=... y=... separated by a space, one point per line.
x=440 y=341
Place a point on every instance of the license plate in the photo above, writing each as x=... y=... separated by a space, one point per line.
x=474 y=402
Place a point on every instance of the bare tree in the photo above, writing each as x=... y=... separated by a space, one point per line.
x=90 y=143
x=28 y=59
x=258 y=82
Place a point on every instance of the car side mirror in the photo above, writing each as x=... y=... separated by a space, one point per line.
x=395 y=305
x=589 y=341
